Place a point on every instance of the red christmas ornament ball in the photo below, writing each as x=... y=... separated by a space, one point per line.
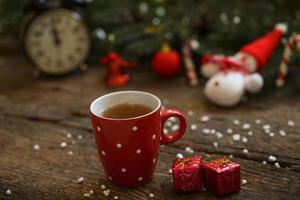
x=166 y=62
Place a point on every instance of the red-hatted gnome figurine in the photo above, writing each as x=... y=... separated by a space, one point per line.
x=230 y=76
x=116 y=75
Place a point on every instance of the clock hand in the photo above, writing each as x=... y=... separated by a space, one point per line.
x=55 y=34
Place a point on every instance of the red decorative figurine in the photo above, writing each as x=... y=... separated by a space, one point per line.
x=116 y=75
x=187 y=174
x=221 y=176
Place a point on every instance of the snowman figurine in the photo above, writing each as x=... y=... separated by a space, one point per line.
x=229 y=77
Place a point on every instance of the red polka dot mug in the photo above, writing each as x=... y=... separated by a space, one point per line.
x=128 y=148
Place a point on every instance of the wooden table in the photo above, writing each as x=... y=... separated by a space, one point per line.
x=40 y=110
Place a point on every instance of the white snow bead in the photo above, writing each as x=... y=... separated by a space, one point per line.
x=204 y=118
x=267 y=131
x=250 y=133
x=193 y=127
x=245 y=151
x=173 y=119
x=219 y=135
x=246 y=126
x=190 y=113
x=189 y=150
x=257 y=121
x=291 y=123
x=205 y=131
x=271 y=134
x=8 y=192
x=170 y=171
x=69 y=135
x=236 y=137
x=103 y=187
x=254 y=83
x=236 y=122
x=80 y=179
x=168 y=124
x=282 y=133
x=230 y=156
x=264 y=162
x=116 y=197
x=244 y=139
x=266 y=126
x=151 y=195
x=175 y=127
x=225 y=89
x=244 y=181
x=106 y=193
x=36 y=147
x=79 y=137
x=212 y=131
x=216 y=145
x=229 y=131
x=272 y=158
x=277 y=165
x=179 y=155
x=63 y=144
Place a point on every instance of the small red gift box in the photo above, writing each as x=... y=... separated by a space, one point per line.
x=187 y=174
x=221 y=176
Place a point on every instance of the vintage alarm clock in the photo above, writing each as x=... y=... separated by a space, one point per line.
x=55 y=36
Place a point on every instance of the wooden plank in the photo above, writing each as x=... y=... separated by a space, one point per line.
x=51 y=173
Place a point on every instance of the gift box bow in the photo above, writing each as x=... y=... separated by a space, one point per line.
x=185 y=162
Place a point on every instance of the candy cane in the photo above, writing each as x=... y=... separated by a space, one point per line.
x=293 y=41
x=188 y=61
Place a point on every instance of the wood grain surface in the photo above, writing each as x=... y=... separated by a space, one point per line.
x=41 y=110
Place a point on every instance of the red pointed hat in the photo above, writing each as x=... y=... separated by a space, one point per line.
x=263 y=47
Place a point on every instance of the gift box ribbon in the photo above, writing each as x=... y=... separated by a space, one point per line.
x=185 y=162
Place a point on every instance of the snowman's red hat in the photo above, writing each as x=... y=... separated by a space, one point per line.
x=263 y=47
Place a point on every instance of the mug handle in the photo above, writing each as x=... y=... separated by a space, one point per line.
x=169 y=138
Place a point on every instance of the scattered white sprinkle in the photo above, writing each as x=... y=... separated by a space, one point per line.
x=267 y=131
x=205 y=131
x=73 y=142
x=119 y=145
x=212 y=131
x=151 y=195
x=153 y=137
x=179 y=155
x=36 y=147
x=277 y=165
x=134 y=128
x=229 y=131
x=103 y=187
x=79 y=137
x=245 y=151
x=123 y=170
x=264 y=162
x=190 y=113
x=193 y=127
x=116 y=197
x=244 y=181
x=86 y=194
x=271 y=134
x=8 y=192
x=236 y=122
x=204 y=118
x=236 y=137
x=189 y=150
x=266 y=126
x=244 y=139
x=231 y=156
x=250 y=133
x=258 y=121
x=69 y=135
x=106 y=192
x=80 y=180
x=91 y=192
x=175 y=127
x=70 y=153
x=215 y=144
x=98 y=128
x=138 y=151
x=170 y=171
x=246 y=126
x=63 y=144
x=140 y=178
x=103 y=153
x=291 y=123
x=282 y=133
x=219 y=135
x=272 y=158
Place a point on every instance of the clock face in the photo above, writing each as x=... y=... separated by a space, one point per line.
x=57 y=41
